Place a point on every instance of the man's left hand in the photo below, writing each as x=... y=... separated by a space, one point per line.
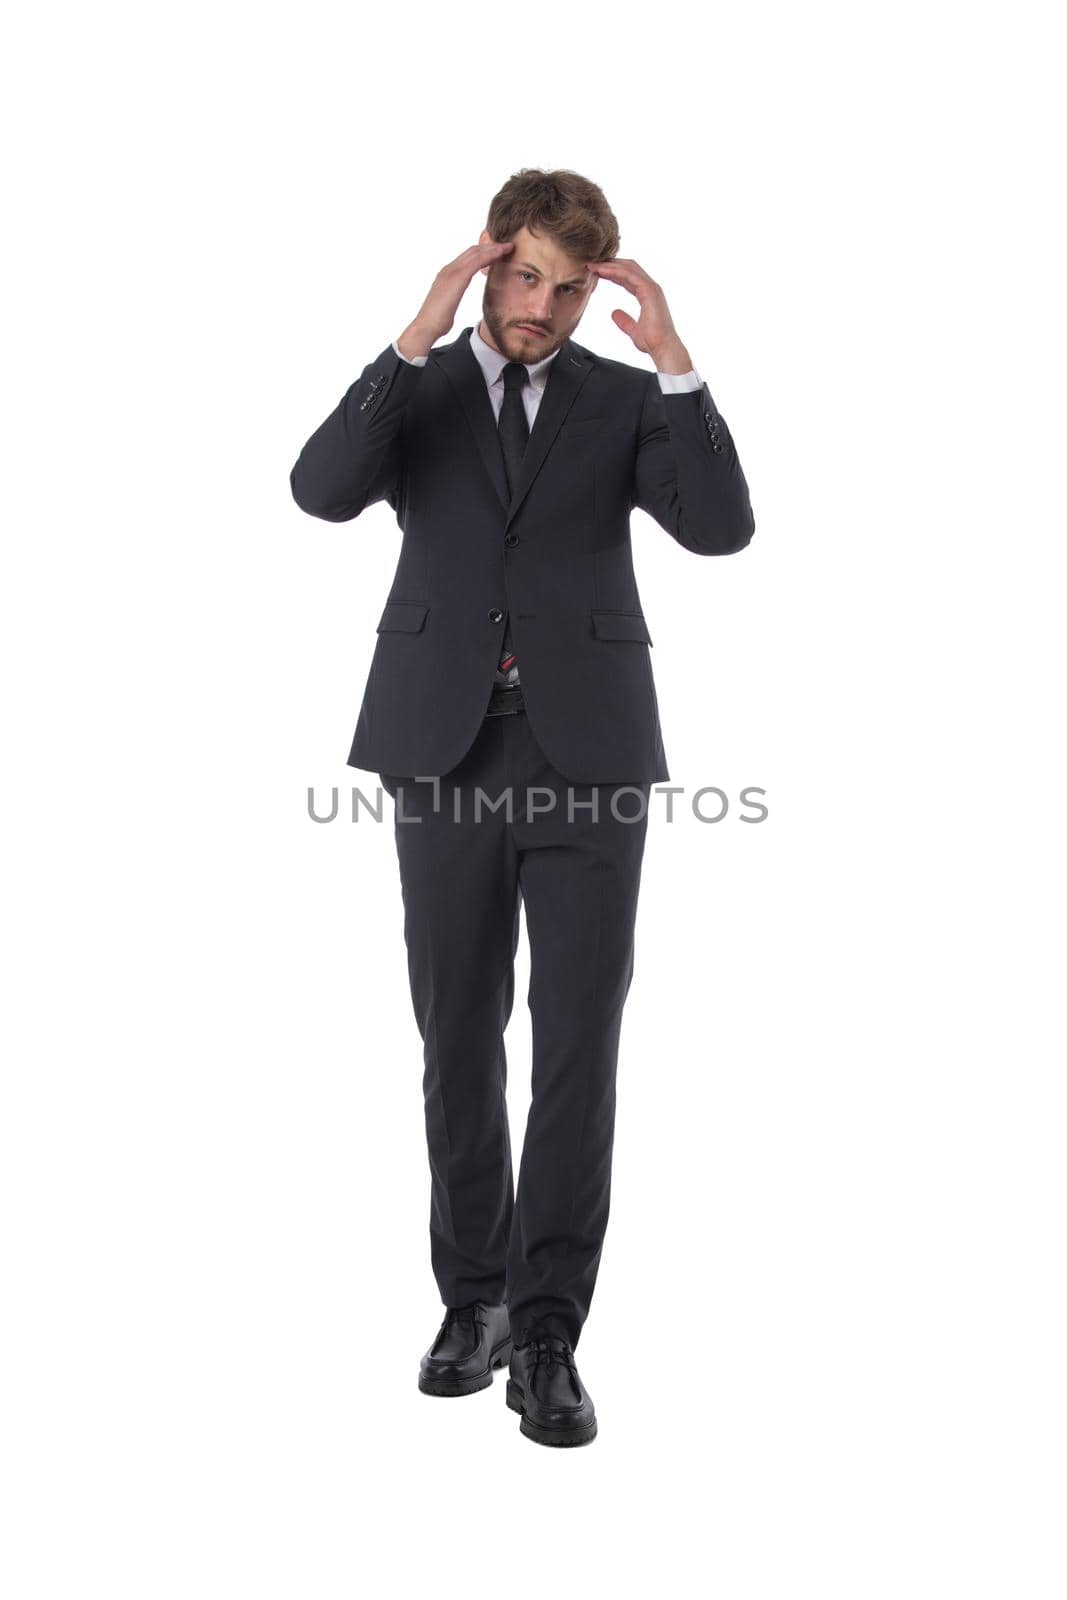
x=654 y=332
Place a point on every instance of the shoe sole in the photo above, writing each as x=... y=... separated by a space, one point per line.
x=451 y=1388
x=543 y=1435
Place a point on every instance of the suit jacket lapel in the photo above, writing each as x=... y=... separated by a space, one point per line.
x=566 y=375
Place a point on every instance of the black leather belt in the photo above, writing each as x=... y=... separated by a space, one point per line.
x=504 y=702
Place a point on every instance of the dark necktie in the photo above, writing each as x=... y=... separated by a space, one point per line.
x=514 y=431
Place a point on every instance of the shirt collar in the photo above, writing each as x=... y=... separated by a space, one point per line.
x=493 y=363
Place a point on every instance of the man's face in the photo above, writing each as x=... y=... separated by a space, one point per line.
x=534 y=297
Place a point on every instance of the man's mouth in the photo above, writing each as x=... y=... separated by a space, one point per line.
x=526 y=327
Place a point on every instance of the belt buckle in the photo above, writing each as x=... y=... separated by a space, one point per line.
x=505 y=702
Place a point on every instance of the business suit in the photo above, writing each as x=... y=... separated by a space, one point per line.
x=558 y=556
x=555 y=556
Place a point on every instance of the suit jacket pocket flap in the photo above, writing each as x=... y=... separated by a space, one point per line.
x=621 y=625
x=402 y=616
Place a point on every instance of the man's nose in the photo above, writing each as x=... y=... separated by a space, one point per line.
x=542 y=309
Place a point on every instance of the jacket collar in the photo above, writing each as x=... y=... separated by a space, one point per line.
x=566 y=374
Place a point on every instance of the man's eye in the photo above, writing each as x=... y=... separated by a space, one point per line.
x=571 y=288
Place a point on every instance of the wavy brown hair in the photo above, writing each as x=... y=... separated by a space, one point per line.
x=561 y=203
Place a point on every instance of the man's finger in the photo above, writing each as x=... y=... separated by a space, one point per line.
x=627 y=276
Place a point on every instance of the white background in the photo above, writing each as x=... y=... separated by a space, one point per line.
x=827 y=1338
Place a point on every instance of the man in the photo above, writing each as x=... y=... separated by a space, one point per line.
x=511 y=713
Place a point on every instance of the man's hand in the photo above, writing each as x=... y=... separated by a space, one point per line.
x=654 y=332
x=438 y=311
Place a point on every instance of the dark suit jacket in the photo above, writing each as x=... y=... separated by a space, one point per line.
x=605 y=439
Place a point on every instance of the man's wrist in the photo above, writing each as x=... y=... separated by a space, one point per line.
x=414 y=343
x=672 y=357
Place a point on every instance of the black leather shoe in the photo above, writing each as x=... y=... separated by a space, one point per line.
x=471 y=1341
x=545 y=1387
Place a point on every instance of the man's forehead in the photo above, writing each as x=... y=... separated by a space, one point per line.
x=546 y=258
x=555 y=264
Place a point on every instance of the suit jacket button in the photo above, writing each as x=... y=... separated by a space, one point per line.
x=511 y=538
x=496 y=615
x=717 y=449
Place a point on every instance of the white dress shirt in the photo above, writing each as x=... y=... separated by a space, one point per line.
x=493 y=363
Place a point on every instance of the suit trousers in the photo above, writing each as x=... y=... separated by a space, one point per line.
x=466 y=868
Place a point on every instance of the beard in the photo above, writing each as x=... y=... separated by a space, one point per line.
x=510 y=339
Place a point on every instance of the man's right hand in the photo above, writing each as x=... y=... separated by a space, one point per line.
x=438 y=311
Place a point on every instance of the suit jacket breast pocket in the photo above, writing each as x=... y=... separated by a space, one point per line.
x=581 y=427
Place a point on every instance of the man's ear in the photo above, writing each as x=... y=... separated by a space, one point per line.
x=485 y=237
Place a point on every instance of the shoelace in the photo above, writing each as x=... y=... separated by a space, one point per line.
x=551 y=1351
x=470 y=1313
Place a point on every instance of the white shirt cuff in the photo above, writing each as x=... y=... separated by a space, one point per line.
x=679 y=382
x=412 y=361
